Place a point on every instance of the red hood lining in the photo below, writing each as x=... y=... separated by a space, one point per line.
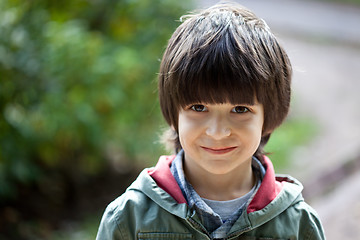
x=267 y=192
x=165 y=180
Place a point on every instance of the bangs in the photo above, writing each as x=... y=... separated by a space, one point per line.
x=217 y=72
x=225 y=54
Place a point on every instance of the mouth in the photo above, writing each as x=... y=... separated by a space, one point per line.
x=222 y=150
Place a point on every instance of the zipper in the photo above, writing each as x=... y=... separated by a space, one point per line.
x=198 y=227
x=238 y=233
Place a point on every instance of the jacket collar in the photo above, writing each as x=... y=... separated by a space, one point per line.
x=268 y=191
x=164 y=178
x=147 y=185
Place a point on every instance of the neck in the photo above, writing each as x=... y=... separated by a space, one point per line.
x=222 y=187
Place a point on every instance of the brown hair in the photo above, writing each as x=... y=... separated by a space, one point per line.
x=225 y=54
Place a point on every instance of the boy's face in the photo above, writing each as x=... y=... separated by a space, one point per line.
x=220 y=138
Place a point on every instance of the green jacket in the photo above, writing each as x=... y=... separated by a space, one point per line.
x=153 y=207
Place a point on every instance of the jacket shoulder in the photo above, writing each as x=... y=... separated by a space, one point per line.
x=143 y=208
x=301 y=221
x=299 y=216
x=287 y=216
x=119 y=213
x=309 y=223
x=305 y=217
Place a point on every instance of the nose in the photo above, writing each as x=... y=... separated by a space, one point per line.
x=218 y=128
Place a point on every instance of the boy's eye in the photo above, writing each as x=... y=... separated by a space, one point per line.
x=239 y=109
x=198 y=108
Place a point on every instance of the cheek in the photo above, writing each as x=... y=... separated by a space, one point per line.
x=251 y=132
x=257 y=132
x=188 y=129
x=184 y=128
x=188 y=123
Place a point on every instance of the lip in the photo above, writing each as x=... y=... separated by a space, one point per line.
x=222 y=150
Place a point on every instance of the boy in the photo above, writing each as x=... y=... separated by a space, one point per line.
x=224 y=86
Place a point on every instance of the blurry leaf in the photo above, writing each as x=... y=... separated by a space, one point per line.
x=291 y=135
x=78 y=78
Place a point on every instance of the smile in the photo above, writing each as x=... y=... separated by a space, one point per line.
x=219 y=150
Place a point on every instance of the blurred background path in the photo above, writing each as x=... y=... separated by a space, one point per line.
x=323 y=42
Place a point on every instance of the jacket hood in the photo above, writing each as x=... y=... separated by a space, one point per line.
x=274 y=196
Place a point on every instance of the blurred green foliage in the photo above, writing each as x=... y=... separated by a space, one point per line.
x=351 y=2
x=291 y=135
x=78 y=84
x=86 y=229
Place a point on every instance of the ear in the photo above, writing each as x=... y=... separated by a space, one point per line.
x=264 y=139
x=174 y=129
x=268 y=132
